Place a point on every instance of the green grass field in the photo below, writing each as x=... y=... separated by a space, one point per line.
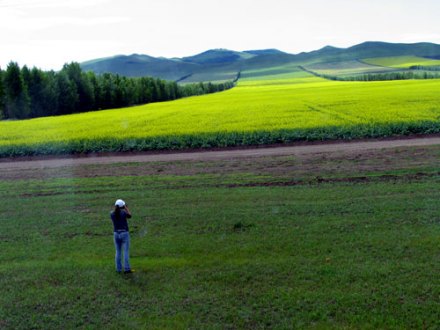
x=401 y=62
x=284 y=107
x=325 y=242
x=347 y=68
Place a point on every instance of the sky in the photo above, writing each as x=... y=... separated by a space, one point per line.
x=49 y=33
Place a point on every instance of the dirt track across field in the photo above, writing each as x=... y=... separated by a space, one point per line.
x=303 y=149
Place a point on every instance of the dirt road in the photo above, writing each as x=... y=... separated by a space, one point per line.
x=303 y=149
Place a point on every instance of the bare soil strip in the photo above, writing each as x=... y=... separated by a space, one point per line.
x=220 y=154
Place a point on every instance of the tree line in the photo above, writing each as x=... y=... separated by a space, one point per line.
x=426 y=68
x=396 y=75
x=403 y=75
x=416 y=73
x=30 y=93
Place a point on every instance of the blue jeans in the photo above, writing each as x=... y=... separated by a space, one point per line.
x=122 y=241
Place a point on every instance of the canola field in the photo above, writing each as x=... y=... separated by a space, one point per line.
x=280 y=108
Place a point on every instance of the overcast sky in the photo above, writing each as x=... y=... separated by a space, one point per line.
x=49 y=33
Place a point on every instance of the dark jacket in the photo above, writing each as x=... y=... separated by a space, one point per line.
x=120 y=224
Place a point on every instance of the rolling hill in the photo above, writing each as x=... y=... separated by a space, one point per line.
x=224 y=64
x=136 y=65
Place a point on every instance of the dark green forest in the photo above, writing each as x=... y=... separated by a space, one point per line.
x=30 y=93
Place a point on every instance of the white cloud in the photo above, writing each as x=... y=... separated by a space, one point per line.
x=26 y=15
x=20 y=23
x=421 y=37
x=48 y=33
x=30 y=4
x=36 y=52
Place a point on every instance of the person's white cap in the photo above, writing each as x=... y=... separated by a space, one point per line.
x=120 y=203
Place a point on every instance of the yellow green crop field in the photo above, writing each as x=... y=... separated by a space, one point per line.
x=401 y=61
x=276 y=110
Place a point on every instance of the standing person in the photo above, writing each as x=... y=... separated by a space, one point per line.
x=121 y=235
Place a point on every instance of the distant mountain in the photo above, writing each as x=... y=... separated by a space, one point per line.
x=141 y=65
x=373 y=49
x=382 y=49
x=224 y=64
x=271 y=51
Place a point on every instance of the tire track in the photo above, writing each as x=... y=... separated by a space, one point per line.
x=210 y=155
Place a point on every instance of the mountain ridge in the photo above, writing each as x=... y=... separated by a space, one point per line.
x=223 y=64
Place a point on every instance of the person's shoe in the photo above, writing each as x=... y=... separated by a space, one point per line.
x=129 y=271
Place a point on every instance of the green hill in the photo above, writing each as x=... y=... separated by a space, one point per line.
x=218 y=56
x=211 y=65
x=141 y=65
x=368 y=50
x=402 y=62
x=382 y=49
x=224 y=64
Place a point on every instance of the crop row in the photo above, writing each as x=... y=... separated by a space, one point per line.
x=221 y=139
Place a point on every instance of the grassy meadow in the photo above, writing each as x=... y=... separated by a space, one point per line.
x=282 y=107
x=347 y=68
x=330 y=241
x=401 y=62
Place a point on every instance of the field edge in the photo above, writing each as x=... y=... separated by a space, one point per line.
x=222 y=139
